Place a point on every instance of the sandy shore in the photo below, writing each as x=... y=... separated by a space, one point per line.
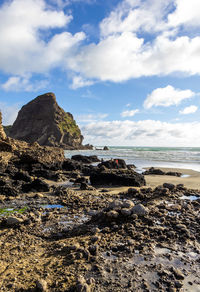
x=192 y=181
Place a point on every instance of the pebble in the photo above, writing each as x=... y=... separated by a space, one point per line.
x=112 y=214
x=139 y=210
x=126 y=212
x=41 y=285
x=128 y=204
x=116 y=205
x=11 y=221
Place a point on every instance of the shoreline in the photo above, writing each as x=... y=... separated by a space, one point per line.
x=191 y=182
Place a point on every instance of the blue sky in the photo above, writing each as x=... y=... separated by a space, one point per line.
x=128 y=70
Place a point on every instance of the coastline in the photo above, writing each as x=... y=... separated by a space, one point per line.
x=191 y=182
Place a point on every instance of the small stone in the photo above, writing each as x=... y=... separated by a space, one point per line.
x=128 y=204
x=41 y=285
x=178 y=274
x=126 y=212
x=139 y=210
x=11 y=221
x=112 y=214
x=169 y=186
x=115 y=205
x=82 y=286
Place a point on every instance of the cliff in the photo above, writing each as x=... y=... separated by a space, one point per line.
x=42 y=120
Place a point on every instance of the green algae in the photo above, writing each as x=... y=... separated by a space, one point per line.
x=8 y=211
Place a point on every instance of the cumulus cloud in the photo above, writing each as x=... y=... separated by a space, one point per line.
x=129 y=113
x=91 y=118
x=138 y=38
x=144 y=133
x=24 y=47
x=167 y=96
x=78 y=82
x=18 y=83
x=187 y=13
x=9 y=113
x=189 y=110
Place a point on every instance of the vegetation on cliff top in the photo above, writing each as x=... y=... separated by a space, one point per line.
x=68 y=125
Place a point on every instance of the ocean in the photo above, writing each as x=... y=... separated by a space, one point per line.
x=141 y=157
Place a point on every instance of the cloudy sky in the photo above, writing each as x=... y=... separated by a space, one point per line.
x=128 y=70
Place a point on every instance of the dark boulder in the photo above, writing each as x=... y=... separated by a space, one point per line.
x=37 y=185
x=85 y=159
x=70 y=165
x=156 y=171
x=22 y=175
x=113 y=164
x=117 y=178
x=8 y=190
x=153 y=171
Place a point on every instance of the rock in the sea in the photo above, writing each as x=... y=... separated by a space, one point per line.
x=105 y=148
x=117 y=178
x=43 y=121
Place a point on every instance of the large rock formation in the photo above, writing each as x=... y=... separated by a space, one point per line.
x=43 y=121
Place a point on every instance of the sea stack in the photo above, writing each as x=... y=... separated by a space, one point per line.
x=42 y=120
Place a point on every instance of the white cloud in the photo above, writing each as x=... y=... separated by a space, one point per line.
x=9 y=113
x=91 y=118
x=129 y=113
x=187 y=13
x=18 y=83
x=23 y=26
x=137 y=15
x=142 y=133
x=167 y=96
x=189 y=110
x=78 y=82
x=29 y=45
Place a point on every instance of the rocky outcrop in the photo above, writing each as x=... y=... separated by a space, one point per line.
x=44 y=122
x=2 y=133
x=117 y=178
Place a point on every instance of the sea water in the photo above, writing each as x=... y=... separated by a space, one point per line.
x=141 y=157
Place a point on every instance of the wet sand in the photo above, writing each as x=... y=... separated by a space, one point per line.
x=192 y=181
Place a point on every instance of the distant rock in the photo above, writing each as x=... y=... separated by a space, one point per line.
x=43 y=121
x=105 y=148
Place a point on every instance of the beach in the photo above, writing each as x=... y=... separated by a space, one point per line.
x=63 y=231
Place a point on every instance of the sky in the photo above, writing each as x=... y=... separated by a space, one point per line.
x=128 y=70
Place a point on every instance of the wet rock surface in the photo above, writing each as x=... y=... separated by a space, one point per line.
x=66 y=239
x=157 y=171
x=59 y=236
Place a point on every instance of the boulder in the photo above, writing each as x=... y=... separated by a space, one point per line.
x=37 y=185
x=113 y=164
x=43 y=121
x=85 y=159
x=117 y=178
x=139 y=210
